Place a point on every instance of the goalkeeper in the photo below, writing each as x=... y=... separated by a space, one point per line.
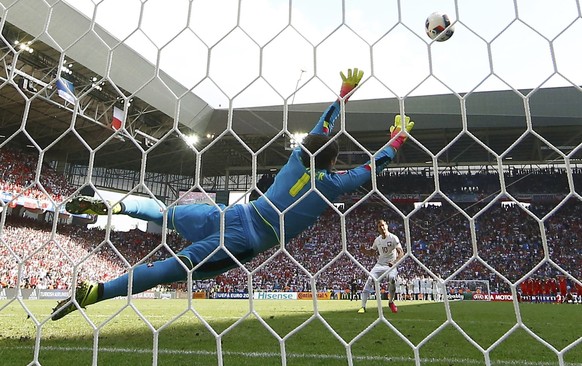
x=249 y=229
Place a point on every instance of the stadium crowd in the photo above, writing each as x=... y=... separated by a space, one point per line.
x=440 y=239
x=507 y=238
x=18 y=172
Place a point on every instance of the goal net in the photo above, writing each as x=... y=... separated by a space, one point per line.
x=203 y=101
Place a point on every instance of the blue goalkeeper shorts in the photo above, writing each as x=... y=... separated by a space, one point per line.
x=245 y=233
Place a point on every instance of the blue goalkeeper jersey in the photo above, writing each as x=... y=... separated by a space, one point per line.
x=293 y=183
x=252 y=228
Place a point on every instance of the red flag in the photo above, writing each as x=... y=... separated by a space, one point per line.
x=117 y=118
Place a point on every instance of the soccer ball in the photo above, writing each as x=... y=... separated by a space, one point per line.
x=438 y=27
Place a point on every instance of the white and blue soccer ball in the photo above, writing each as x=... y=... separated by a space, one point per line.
x=438 y=27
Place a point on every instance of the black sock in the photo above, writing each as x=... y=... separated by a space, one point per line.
x=99 y=291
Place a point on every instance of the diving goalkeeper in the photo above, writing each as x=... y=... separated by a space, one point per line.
x=250 y=228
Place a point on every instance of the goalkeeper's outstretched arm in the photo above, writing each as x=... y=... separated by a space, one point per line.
x=354 y=178
x=327 y=120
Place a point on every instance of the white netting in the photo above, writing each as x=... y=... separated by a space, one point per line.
x=128 y=83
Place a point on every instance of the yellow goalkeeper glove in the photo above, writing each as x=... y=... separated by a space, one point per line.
x=400 y=138
x=350 y=82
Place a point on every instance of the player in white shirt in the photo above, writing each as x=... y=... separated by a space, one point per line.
x=400 y=288
x=426 y=287
x=387 y=247
x=437 y=290
x=416 y=288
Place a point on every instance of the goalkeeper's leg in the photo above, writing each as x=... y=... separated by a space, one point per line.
x=145 y=276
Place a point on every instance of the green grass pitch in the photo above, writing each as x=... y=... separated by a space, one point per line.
x=192 y=336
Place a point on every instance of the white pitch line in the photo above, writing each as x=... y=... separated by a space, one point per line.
x=300 y=356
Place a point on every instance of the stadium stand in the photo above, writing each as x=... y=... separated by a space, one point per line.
x=508 y=238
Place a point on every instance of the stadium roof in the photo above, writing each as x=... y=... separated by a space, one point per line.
x=496 y=119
